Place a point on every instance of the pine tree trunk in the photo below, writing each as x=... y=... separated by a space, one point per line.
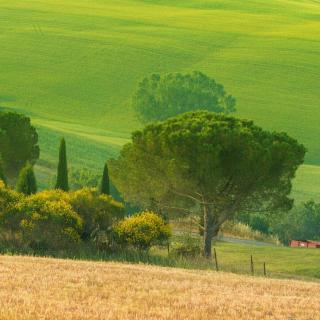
x=207 y=245
x=210 y=230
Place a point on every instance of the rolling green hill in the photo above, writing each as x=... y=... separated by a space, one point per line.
x=72 y=65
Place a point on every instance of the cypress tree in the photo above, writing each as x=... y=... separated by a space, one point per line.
x=62 y=173
x=105 y=182
x=26 y=182
x=2 y=176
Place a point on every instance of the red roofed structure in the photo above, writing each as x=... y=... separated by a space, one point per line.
x=305 y=244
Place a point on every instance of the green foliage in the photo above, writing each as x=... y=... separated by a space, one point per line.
x=142 y=230
x=302 y=222
x=258 y=222
x=98 y=211
x=105 y=182
x=187 y=246
x=83 y=178
x=26 y=182
x=218 y=163
x=161 y=97
x=18 y=142
x=198 y=151
x=62 y=173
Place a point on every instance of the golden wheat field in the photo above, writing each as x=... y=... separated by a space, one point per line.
x=39 y=288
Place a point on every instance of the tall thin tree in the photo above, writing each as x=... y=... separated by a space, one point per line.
x=2 y=175
x=105 y=181
x=62 y=173
x=26 y=182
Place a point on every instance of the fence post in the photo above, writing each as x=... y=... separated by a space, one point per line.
x=252 y=266
x=264 y=269
x=216 y=259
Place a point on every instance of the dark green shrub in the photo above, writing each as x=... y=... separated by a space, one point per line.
x=188 y=246
x=260 y=223
x=98 y=211
x=27 y=181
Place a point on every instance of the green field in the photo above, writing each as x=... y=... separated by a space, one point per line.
x=72 y=65
x=280 y=261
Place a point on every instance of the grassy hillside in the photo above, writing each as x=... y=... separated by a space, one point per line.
x=280 y=261
x=34 y=288
x=72 y=65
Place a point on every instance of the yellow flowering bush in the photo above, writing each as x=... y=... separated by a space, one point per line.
x=8 y=200
x=52 y=195
x=8 y=197
x=54 y=219
x=142 y=230
x=42 y=224
x=97 y=211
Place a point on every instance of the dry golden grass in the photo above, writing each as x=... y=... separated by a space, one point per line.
x=38 y=288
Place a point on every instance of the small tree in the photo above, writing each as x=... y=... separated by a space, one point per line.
x=27 y=181
x=62 y=174
x=105 y=182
